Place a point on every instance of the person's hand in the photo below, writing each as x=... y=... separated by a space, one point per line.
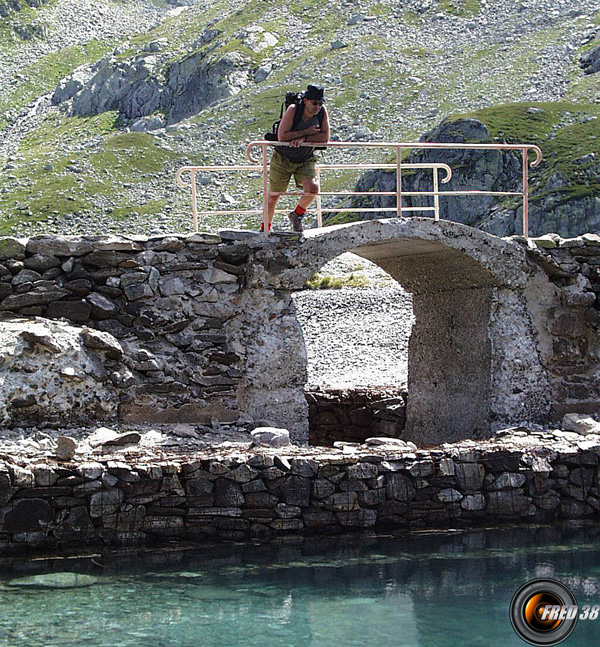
x=294 y=143
x=313 y=130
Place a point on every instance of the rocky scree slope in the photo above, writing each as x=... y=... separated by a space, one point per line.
x=97 y=117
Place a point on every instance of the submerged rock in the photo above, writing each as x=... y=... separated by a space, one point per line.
x=54 y=581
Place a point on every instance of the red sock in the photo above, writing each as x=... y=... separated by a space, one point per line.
x=299 y=210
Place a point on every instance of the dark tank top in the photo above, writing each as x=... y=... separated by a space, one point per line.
x=302 y=153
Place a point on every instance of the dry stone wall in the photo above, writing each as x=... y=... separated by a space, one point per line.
x=354 y=414
x=253 y=492
x=193 y=329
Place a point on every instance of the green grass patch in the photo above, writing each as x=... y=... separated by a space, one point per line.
x=63 y=133
x=51 y=192
x=326 y=282
x=27 y=20
x=464 y=8
x=113 y=169
x=130 y=155
x=151 y=208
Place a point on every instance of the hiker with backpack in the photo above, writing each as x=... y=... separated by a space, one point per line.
x=305 y=120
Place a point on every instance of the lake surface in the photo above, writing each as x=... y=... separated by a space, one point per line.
x=417 y=590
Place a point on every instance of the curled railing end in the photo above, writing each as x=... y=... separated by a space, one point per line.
x=179 y=173
x=249 y=148
x=448 y=176
x=538 y=156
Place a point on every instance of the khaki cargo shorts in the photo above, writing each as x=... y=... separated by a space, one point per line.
x=282 y=169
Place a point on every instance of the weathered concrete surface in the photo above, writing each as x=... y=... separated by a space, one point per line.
x=203 y=326
x=461 y=358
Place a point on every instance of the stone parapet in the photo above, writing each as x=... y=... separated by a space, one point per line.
x=180 y=331
x=250 y=492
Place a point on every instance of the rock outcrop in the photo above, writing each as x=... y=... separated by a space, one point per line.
x=551 y=210
x=590 y=61
x=147 y=83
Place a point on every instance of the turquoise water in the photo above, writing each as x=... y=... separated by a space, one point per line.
x=420 y=590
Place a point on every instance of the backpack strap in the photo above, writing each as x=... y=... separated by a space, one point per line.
x=298 y=116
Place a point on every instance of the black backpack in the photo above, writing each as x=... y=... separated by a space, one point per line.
x=292 y=98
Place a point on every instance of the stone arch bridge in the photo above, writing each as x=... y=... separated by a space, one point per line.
x=202 y=327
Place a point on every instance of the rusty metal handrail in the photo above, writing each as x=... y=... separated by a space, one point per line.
x=262 y=165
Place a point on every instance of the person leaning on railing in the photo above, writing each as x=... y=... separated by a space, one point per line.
x=295 y=160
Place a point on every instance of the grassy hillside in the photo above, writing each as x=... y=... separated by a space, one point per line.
x=397 y=72
x=567 y=133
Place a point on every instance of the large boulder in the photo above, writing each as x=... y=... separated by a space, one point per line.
x=551 y=208
x=484 y=170
x=590 y=61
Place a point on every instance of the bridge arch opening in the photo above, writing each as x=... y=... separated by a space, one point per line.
x=474 y=361
x=356 y=322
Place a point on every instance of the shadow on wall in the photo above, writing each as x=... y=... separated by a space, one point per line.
x=354 y=415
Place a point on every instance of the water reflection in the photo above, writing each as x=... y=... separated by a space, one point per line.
x=417 y=590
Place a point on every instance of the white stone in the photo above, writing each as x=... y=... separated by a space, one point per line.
x=100 y=436
x=271 y=436
x=91 y=471
x=384 y=440
x=580 y=423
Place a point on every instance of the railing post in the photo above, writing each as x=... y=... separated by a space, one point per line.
x=194 y=204
x=399 y=181
x=265 y=191
x=525 y=193
x=436 y=198
x=319 y=213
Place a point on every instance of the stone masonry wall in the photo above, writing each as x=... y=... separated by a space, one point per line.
x=158 y=329
x=354 y=415
x=571 y=345
x=177 y=329
x=254 y=492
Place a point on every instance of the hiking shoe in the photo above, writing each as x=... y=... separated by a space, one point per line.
x=296 y=221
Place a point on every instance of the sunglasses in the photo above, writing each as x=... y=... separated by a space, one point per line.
x=316 y=102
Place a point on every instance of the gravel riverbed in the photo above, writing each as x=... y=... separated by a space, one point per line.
x=356 y=337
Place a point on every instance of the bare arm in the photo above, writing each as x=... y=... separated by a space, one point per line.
x=286 y=134
x=323 y=134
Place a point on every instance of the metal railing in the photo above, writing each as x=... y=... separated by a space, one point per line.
x=263 y=166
